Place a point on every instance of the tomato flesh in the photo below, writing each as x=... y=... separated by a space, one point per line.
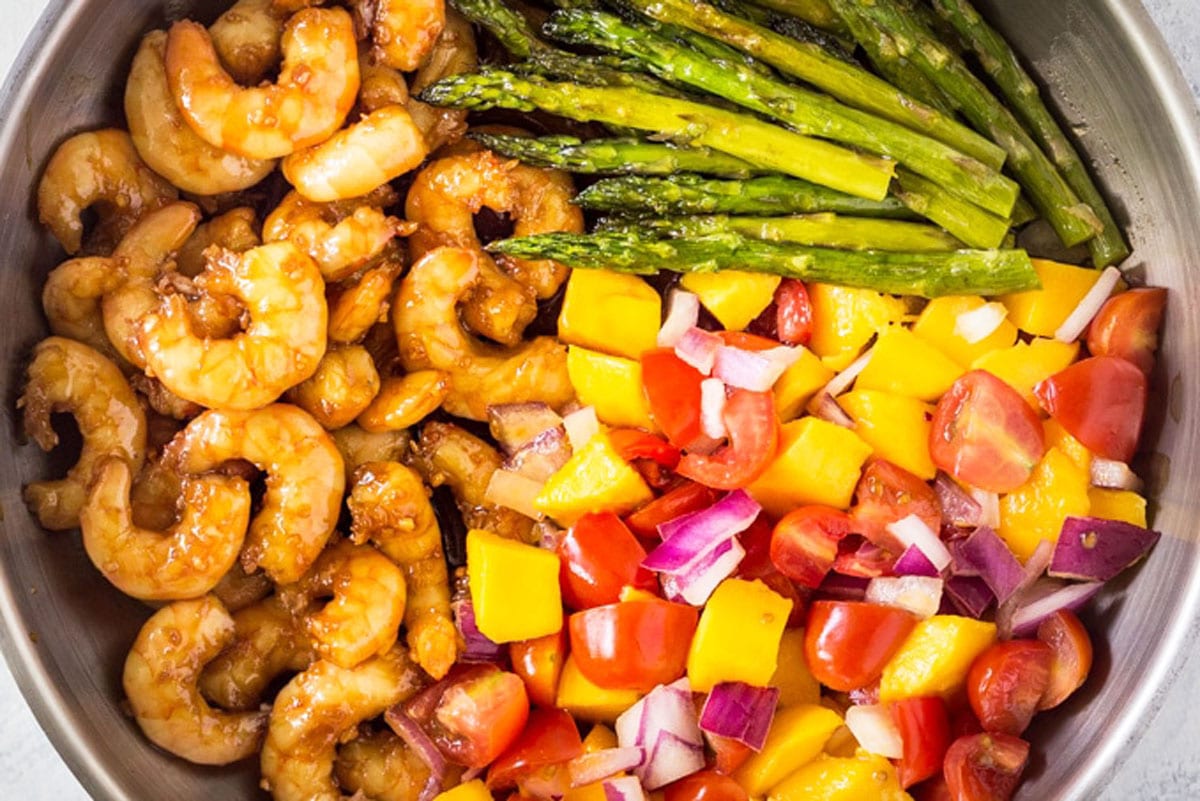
x=924 y=728
x=684 y=499
x=599 y=557
x=474 y=714
x=848 y=643
x=804 y=544
x=793 y=312
x=1072 y=656
x=1006 y=683
x=549 y=740
x=673 y=391
x=1127 y=326
x=1101 y=402
x=539 y=663
x=705 y=785
x=753 y=438
x=887 y=493
x=985 y=767
x=633 y=443
x=633 y=645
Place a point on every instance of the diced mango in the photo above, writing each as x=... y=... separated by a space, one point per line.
x=610 y=312
x=863 y=777
x=796 y=387
x=895 y=426
x=937 y=322
x=612 y=384
x=904 y=364
x=1123 y=505
x=845 y=318
x=1073 y=449
x=474 y=790
x=796 y=737
x=1035 y=511
x=935 y=658
x=735 y=298
x=841 y=743
x=793 y=679
x=588 y=792
x=514 y=588
x=817 y=462
x=1041 y=311
x=600 y=738
x=737 y=638
x=1025 y=365
x=594 y=479
x=586 y=701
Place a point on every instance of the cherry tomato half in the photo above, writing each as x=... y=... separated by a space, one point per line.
x=1006 y=683
x=985 y=434
x=753 y=438
x=924 y=728
x=804 y=544
x=848 y=643
x=1101 y=402
x=706 y=785
x=539 y=663
x=985 y=767
x=673 y=392
x=1072 y=659
x=550 y=739
x=728 y=753
x=599 y=556
x=1127 y=326
x=633 y=443
x=686 y=498
x=473 y=714
x=793 y=312
x=633 y=645
x=887 y=493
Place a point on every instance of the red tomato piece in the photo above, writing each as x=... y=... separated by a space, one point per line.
x=753 y=439
x=706 y=785
x=847 y=643
x=550 y=739
x=756 y=541
x=746 y=340
x=924 y=728
x=985 y=434
x=985 y=767
x=1101 y=402
x=887 y=493
x=1007 y=682
x=1127 y=326
x=633 y=645
x=793 y=312
x=1072 y=656
x=858 y=556
x=477 y=713
x=599 y=556
x=633 y=443
x=686 y=498
x=934 y=789
x=539 y=663
x=673 y=392
x=805 y=543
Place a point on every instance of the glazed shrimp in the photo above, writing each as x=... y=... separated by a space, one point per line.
x=404 y=401
x=266 y=644
x=160 y=678
x=363 y=618
x=344 y=385
x=381 y=767
x=431 y=336
x=320 y=708
x=66 y=376
x=164 y=140
x=453 y=54
x=71 y=300
x=161 y=400
x=282 y=345
x=235 y=230
x=354 y=308
x=185 y=561
x=358 y=447
x=380 y=86
x=305 y=480
x=389 y=505
x=404 y=32
x=315 y=90
x=99 y=169
x=154 y=496
x=247 y=38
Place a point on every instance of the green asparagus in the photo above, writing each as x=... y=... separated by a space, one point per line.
x=1001 y=63
x=614 y=156
x=592 y=71
x=504 y=22
x=681 y=121
x=962 y=272
x=971 y=224
x=814 y=12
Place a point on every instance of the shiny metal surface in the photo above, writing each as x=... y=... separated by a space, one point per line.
x=64 y=632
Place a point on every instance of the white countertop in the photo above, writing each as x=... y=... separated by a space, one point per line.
x=1163 y=766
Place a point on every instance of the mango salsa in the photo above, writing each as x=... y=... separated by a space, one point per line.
x=896 y=427
x=469 y=791
x=1041 y=311
x=596 y=299
x=612 y=384
x=799 y=383
x=863 y=777
x=735 y=298
x=796 y=737
x=1059 y=437
x=737 y=638
x=514 y=588
x=935 y=658
x=1123 y=505
x=793 y=679
x=938 y=320
x=817 y=462
x=594 y=479
x=600 y=738
x=904 y=364
x=1025 y=365
x=845 y=318
x=586 y=701
x=1035 y=511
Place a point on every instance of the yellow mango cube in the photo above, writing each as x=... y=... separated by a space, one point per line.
x=845 y=318
x=612 y=384
x=797 y=736
x=863 y=777
x=793 y=679
x=904 y=364
x=799 y=383
x=474 y=790
x=588 y=792
x=817 y=462
x=514 y=588
x=737 y=638
x=939 y=319
x=1025 y=365
x=594 y=479
x=896 y=427
x=610 y=312
x=1123 y=505
x=1041 y=311
x=735 y=298
x=587 y=701
x=1073 y=449
x=1035 y=511
x=599 y=738
x=935 y=658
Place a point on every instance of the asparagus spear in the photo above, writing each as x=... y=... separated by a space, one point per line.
x=1023 y=212
x=1073 y=220
x=1001 y=63
x=814 y=12
x=852 y=85
x=971 y=224
x=695 y=194
x=504 y=22
x=930 y=275
x=817 y=230
x=614 y=156
x=808 y=112
x=683 y=121
x=592 y=71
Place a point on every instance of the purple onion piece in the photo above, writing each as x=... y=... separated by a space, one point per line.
x=958 y=508
x=839 y=587
x=1048 y=597
x=740 y=712
x=914 y=562
x=1093 y=549
x=969 y=594
x=996 y=564
x=686 y=539
x=478 y=647
x=416 y=739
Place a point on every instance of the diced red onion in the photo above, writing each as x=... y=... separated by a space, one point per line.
x=840 y=587
x=969 y=594
x=842 y=381
x=875 y=730
x=997 y=565
x=581 y=425
x=1089 y=307
x=1111 y=474
x=1092 y=549
x=542 y=456
x=740 y=712
x=1046 y=599
x=515 y=424
x=478 y=647
x=826 y=407
x=989 y=507
x=514 y=491
x=419 y=742
x=921 y=595
x=687 y=538
x=671 y=758
x=755 y=370
x=683 y=310
x=914 y=562
x=912 y=530
x=712 y=408
x=960 y=563
x=958 y=508
x=624 y=788
x=1032 y=572
x=664 y=723
x=698 y=348
x=697 y=583
x=978 y=324
x=599 y=765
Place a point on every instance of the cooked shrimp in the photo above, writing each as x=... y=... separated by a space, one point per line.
x=154 y=496
x=431 y=336
x=363 y=617
x=344 y=385
x=389 y=505
x=266 y=644
x=100 y=169
x=315 y=90
x=238 y=590
x=247 y=38
x=66 y=376
x=281 y=346
x=71 y=299
x=185 y=561
x=342 y=237
x=358 y=447
x=380 y=86
x=235 y=230
x=404 y=31
x=453 y=54
x=160 y=678
x=161 y=400
x=320 y=708
x=381 y=767
x=305 y=480
x=406 y=400
x=354 y=308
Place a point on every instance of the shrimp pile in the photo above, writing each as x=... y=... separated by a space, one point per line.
x=250 y=370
